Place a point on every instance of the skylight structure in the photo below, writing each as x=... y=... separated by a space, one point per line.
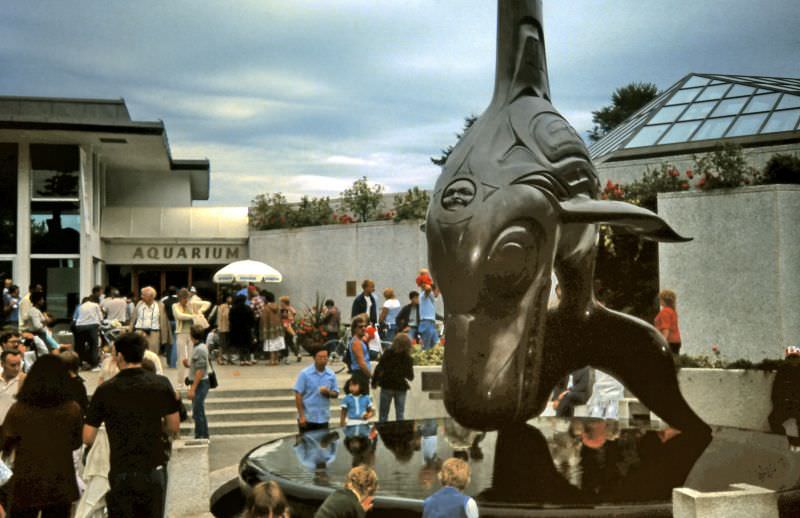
x=708 y=107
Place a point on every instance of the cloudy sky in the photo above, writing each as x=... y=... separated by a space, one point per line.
x=304 y=96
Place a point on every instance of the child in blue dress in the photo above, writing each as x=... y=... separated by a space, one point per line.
x=357 y=407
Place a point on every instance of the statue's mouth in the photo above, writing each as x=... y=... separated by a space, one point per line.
x=492 y=363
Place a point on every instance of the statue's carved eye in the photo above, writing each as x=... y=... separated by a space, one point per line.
x=512 y=259
x=458 y=194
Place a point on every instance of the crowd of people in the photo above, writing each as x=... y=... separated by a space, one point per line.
x=132 y=343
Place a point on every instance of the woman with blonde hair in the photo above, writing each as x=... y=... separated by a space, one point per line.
x=355 y=498
x=267 y=501
x=667 y=320
x=185 y=312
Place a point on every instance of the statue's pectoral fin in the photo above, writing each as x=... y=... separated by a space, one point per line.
x=640 y=221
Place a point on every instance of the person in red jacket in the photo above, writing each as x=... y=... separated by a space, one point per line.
x=667 y=320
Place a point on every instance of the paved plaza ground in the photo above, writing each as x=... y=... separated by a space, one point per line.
x=225 y=451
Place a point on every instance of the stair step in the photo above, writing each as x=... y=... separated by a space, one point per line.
x=245 y=427
x=253 y=403
x=249 y=393
x=239 y=414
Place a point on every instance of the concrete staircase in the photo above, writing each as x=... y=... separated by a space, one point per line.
x=248 y=412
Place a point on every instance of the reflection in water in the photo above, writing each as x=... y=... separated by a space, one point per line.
x=360 y=440
x=560 y=462
x=316 y=450
x=614 y=467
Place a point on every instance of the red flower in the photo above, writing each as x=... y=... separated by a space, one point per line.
x=609 y=185
x=715 y=349
x=689 y=174
x=684 y=186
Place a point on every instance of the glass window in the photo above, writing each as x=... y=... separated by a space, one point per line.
x=55 y=170
x=781 y=121
x=739 y=91
x=713 y=92
x=696 y=81
x=667 y=114
x=729 y=107
x=647 y=136
x=684 y=96
x=8 y=198
x=60 y=280
x=698 y=110
x=680 y=132
x=763 y=91
x=713 y=128
x=747 y=125
x=716 y=82
x=55 y=227
x=789 y=101
x=6 y=271
x=761 y=103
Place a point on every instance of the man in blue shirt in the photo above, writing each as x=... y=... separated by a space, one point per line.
x=11 y=306
x=315 y=387
x=427 y=317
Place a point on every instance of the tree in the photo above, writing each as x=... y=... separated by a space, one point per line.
x=782 y=168
x=411 y=205
x=362 y=200
x=269 y=211
x=625 y=101
x=310 y=212
x=468 y=122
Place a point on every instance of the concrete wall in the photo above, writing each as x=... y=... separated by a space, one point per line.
x=626 y=171
x=140 y=189
x=322 y=259
x=746 y=395
x=738 y=281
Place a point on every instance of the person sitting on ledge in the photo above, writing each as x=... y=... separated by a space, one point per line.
x=450 y=501
x=355 y=499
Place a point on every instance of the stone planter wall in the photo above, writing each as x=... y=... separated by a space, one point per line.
x=737 y=398
x=738 y=281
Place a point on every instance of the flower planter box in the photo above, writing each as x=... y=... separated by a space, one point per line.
x=738 y=398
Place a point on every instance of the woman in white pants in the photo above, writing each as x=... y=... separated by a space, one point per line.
x=184 y=312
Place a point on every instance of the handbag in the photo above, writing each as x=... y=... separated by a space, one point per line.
x=212 y=376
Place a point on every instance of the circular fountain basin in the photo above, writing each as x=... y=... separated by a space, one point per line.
x=547 y=467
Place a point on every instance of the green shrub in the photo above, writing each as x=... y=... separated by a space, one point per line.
x=782 y=168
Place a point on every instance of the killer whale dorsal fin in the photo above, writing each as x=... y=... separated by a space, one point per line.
x=521 y=63
x=638 y=220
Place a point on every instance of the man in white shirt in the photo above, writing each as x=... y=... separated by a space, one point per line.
x=10 y=379
x=115 y=307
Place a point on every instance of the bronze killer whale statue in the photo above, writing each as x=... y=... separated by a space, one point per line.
x=516 y=201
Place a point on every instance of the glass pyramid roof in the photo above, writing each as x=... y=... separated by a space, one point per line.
x=708 y=107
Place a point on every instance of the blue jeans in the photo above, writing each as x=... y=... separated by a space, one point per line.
x=172 y=356
x=387 y=395
x=429 y=334
x=199 y=410
x=391 y=332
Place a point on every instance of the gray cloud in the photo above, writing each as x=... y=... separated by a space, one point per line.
x=305 y=96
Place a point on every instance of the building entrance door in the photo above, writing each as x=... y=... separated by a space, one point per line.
x=161 y=279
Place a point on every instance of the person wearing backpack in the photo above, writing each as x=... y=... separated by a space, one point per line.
x=199 y=377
